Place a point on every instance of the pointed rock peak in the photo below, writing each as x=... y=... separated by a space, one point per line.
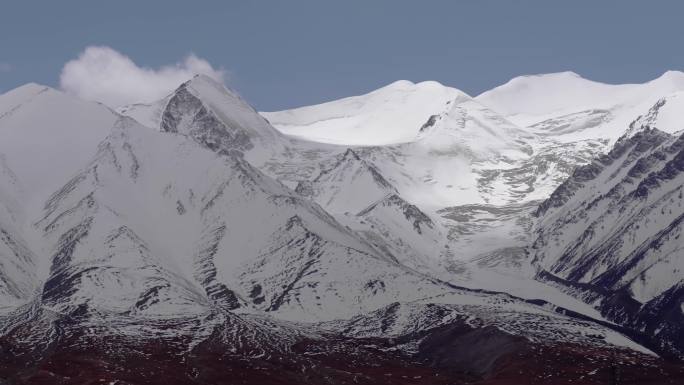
x=206 y=79
x=349 y=157
x=350 y=154
x=204 y=83
x=217 y=118
x=337 y=187
x=188 y=113
x=411 y=212
x=391 y=199
x=351 y=162
x=213 y=93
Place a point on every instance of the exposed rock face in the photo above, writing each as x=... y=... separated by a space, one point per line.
x=186 y=114
x=634 y=147
x=207 y=245
x=615 y=227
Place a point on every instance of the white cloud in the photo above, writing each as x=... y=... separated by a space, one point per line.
x=100 y=73
x=5 y=67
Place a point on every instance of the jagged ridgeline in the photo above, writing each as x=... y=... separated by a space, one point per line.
x=414 y=234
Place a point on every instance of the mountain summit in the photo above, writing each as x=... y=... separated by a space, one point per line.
x=410 y=235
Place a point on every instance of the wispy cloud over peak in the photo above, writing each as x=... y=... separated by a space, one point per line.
x=103 y=74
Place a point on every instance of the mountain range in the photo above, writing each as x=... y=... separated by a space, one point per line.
x=411 y=235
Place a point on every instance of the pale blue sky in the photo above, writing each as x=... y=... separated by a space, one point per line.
x=283 y=54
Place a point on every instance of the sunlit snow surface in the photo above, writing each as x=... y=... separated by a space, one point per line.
x=414 y=194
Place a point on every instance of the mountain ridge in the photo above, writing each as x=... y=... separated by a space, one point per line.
x=203 y=236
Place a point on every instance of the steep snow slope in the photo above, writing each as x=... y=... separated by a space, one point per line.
x=217 y=118
x=474 y=161
x=337 y=188
x=452 y=152
x=631 y=193
x=355 y=192
x=41 y=128
x=387 y=115
x=461 y=157
x=449 y=153
x=474 y=129
x=220 y=120
x=149 y=115
x=253 y=243
x=457 y=151
x=404 y=185
x=232 y=238
x=614 y=228
x=179 y=244
x=467 y=153
x=666 y=115
x=45 y=137
x=402 y=231
x=17 y=262
x=330 y=175
x=186 y=229
x=192 y=112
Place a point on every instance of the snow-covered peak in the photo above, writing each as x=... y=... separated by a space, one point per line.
x=47 y=135
x=675 y=78
x=570 y=108
x=214 y=116
x=218 y=96
x=549 y=93
x=569 y=92
x=19 y=95
x=668 y=83
x=391 y=114
x=337 y=188
x=468 y=127
x=407 y=85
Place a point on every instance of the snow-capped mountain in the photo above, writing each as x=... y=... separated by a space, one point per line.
x=614 y=226
x=385 y=116
x=46 y=137
x=571 y=108
x=460 y=151
x=41 y=127
x=360 y=241
x=336 y=188
x=519 y=142
x=17 y=262
x=233 y=238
